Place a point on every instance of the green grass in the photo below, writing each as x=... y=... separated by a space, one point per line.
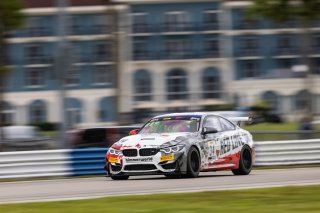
x=272 y=126
x=285 y=199
x=276 y=126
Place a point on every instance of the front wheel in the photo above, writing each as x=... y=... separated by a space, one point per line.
x=119 y=177
x=193 y=163
x=245 y=162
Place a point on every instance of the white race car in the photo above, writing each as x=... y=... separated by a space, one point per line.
x=182 y=145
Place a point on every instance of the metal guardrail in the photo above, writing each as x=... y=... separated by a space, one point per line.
x=72 y=162
x=294 y=152
x=28 y=164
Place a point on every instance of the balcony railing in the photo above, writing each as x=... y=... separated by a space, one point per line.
x=142 y=55
x=316 y=50
x=178 y=27
x=39 y=60
x=101 y=58
x=89 y=30
x=248 y=25
x=210 y=54
x=142 y=28
x=178 y=55
x=248 y=52
x=146 y=55
x=38 y=32
x=174 y=27
x=287 y=51
x=210 y=26
x=288 y=24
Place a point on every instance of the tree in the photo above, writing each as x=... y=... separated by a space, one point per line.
x=11 y=18
x=304 y=12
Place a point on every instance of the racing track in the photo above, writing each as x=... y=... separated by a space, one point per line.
x=81 y=188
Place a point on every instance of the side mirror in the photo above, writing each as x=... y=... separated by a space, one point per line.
x=134 y=132
x=209 y=130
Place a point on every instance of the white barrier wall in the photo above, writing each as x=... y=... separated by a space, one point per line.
x=51 y=163
x=25 y=164
x=295 y=152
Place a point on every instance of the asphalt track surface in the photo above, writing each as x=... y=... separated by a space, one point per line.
x=82 y=188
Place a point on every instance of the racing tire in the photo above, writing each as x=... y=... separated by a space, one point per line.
x=119 y=177
x=193 y=163
x=245 y=162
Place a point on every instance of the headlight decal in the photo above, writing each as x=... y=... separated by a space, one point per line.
x=172 y=149
x=113 y=151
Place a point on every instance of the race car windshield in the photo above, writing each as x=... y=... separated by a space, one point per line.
x=171 y=124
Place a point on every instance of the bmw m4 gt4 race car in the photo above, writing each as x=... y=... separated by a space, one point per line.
x=182 y=145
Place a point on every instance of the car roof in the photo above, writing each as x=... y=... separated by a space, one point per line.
x=198 y=114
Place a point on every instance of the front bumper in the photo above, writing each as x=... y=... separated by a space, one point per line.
x=157 y=164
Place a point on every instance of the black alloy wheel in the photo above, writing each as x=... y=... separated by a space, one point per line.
x=245 y=162
x=193 y=163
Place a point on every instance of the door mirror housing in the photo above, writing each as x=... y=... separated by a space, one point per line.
x=134 y=132
x=209 y=130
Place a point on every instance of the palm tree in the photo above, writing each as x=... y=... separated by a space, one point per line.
x=304 y=12
x=10 y=18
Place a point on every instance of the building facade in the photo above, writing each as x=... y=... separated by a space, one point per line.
x=172 y=56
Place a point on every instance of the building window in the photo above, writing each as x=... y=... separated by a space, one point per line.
x=302 y=99
x=211 y=85
x=210 y=20
x=35 y=77
x=107 y=109
x=284 y=42
x=73 y=112
x=176 y=21
x=250 y=69
x=271 y=98
x=250 y=43
x=77 y=24
x=102 y=75
x=34 y=54
x=6 y=115
x=99 y=24
x=285 y=45
x=316 y=69
x=102 y=52
x=316 y=44
x=285 y=63
x=78 y=54
x=139 y=22
x=140 y=51
x=36 y=26
x=177 y=49
x=249 y=46
x=177 y=85
x=142 y=85
x=37 y=112
x=73 y=76
x=244 y=22
x=211 y=47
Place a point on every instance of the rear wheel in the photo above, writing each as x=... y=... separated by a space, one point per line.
x=193 y=163
x=245 y=162
x=119 y=177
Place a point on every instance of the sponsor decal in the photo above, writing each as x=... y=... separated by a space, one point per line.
x=113 y=160
x=138 y=145
x=217 y=153
x=167 y=157
x=139 y=160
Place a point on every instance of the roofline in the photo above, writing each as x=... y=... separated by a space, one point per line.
x=161 y=2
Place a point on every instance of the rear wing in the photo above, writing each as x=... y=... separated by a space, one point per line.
x=239 y=120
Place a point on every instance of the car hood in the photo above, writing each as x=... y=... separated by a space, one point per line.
x=151 y=140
